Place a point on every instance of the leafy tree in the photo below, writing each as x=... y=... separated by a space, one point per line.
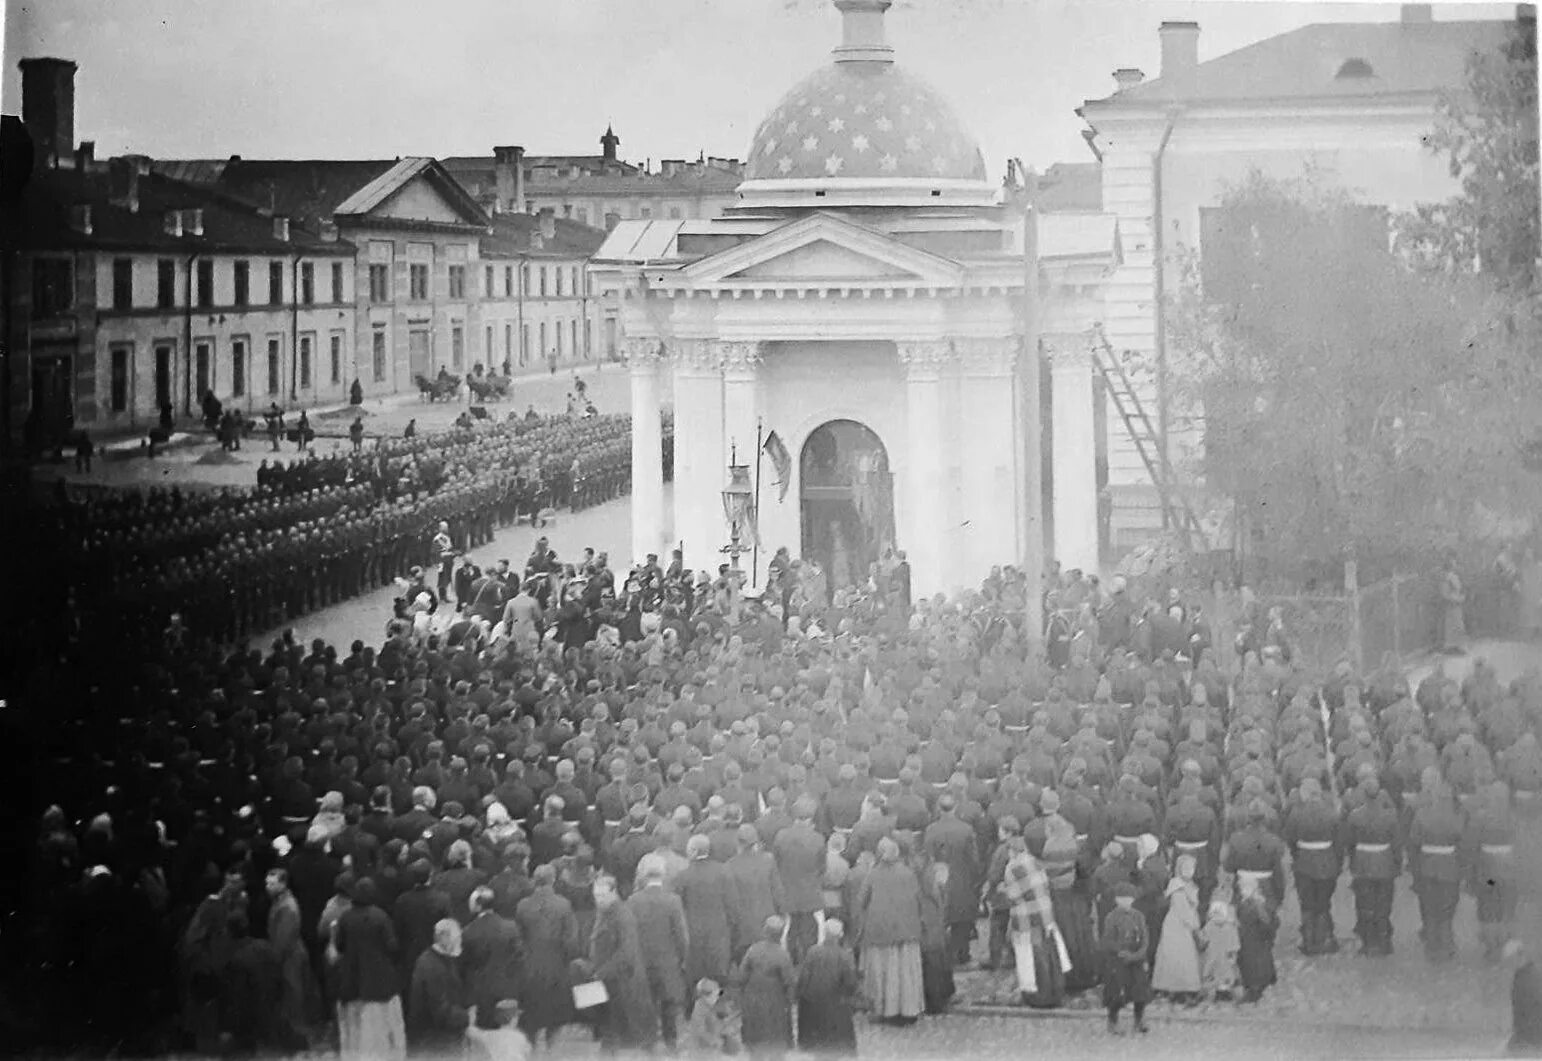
x=1488 y=131
x=1352 y=404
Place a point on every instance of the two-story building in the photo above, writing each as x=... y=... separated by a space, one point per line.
x=598 y=190
x=131 y=292
x=537 y=306
x=1351 y=103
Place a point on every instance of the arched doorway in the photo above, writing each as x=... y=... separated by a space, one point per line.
x=847 y=495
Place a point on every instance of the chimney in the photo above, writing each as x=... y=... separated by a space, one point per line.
x=608 y=144
x=173 y=223
x=80 y=218
x=85 y=155
x=123 y=184
x=548 y=224
x=612 y=220
x=862 y=39
x=48 y=107
x=281 y=228
x=1418 y=14
x=509 y=172
x=1526 y=15
x=328 y=231
x=1127 y=77
x=192 y=221
x=1180 y=56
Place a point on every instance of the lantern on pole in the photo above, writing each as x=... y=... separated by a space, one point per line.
x=738 y=509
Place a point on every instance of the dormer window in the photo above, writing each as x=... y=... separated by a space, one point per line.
x=1354 y=68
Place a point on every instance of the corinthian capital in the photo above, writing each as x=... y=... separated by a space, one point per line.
x=921 y=356
x=699 y=354
x=1068 y=351
x=992 y=356
x=739 y=356
x=642 y=352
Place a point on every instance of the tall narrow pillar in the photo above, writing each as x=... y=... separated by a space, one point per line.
x=1074 y=452
x=985 y=434
x=925 y=501
x=642 y=356
x=701 y=458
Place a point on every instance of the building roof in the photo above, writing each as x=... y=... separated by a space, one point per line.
x=1404 y=58
x=45 y=220
x=1071 y=186
x=515 y=235
x=483 y=164
x=863 y=120
x=691 y=179
x=393 y=180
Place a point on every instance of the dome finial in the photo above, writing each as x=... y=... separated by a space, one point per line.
x=862 y=39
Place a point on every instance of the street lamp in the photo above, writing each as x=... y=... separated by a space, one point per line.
x=738 y=498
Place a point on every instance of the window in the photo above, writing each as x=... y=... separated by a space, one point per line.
x=418 y=280
x=205 y=283
x=543 y=282
x=577 y=284
x=378 y=354
x=308 y=283
x=487 y=284
x=237 y=367
x=508 y=341
x=275 y=348
x=558 y=329
x=123 y=283
x=379 y=283
x=645 y=213
x=557 y=279
x=573 y=331
x=337 y=281
x=121 y=356
x=53 y=286
x=489 y=349
x=243 y=283
x=457 y=281
x=581 y=215
x=336 y=343
x=674 y=213
x=542 y=351
x=524 y=279
x=275 y=283
x=305 y=361
x=588 y=341
x=203 y=364
x=165 y=283
x=508 y=281
x=457 y=346
x=524 y=344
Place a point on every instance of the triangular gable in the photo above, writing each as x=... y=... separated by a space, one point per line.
x=415 y=189
x=823 y=247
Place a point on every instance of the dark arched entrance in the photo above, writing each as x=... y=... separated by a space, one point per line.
x=847 y=494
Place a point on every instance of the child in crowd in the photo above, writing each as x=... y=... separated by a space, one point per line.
x=1220 y=943
x=1126 y=946
x=713 y=1029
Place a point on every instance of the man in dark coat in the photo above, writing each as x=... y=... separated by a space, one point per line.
x=707 y=894
x=949 y=840
x=615 y=958
x=492 y=951
x=665 y=943
x=550 y=930
x=757 y=890
x=1311 y=830
x=1375 y=858
x=800 y=860
x=417 y=910
x=436 y=1016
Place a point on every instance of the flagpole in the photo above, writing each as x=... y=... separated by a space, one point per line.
x=755 y=550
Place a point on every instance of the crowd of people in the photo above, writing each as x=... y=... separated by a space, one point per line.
x=317 y=530
x=747 y=815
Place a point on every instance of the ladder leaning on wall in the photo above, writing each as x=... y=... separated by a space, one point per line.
x=1179 y=513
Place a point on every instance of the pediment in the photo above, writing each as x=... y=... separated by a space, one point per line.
x=419 y=200
x=824 y=247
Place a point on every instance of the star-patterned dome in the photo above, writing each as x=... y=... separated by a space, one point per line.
x=863 y=120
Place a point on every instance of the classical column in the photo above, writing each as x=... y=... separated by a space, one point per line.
x=925 y=502
x=987 y=433
x=1073 y=451
x=701 y=458
x=642 y=357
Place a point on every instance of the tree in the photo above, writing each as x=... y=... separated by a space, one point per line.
x=1352 y=404
x=1488 y=131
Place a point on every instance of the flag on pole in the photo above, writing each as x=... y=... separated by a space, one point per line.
x=781 y=460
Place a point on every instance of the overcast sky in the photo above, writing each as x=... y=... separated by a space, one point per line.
x=383 y=78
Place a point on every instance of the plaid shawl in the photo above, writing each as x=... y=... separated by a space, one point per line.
x=1026 y=886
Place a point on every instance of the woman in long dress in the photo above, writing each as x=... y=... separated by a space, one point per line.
x=1177 y=956
x=1257 y=924
x=936 y=963
x=1042 y=956
x=888 y=916
x=1068 y=897
x=768 y=985
x=828 y=991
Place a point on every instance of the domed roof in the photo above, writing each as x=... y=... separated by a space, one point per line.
x=863 y=120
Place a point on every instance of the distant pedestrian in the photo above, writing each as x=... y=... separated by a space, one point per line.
x=356 y=433
x=84 y=449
